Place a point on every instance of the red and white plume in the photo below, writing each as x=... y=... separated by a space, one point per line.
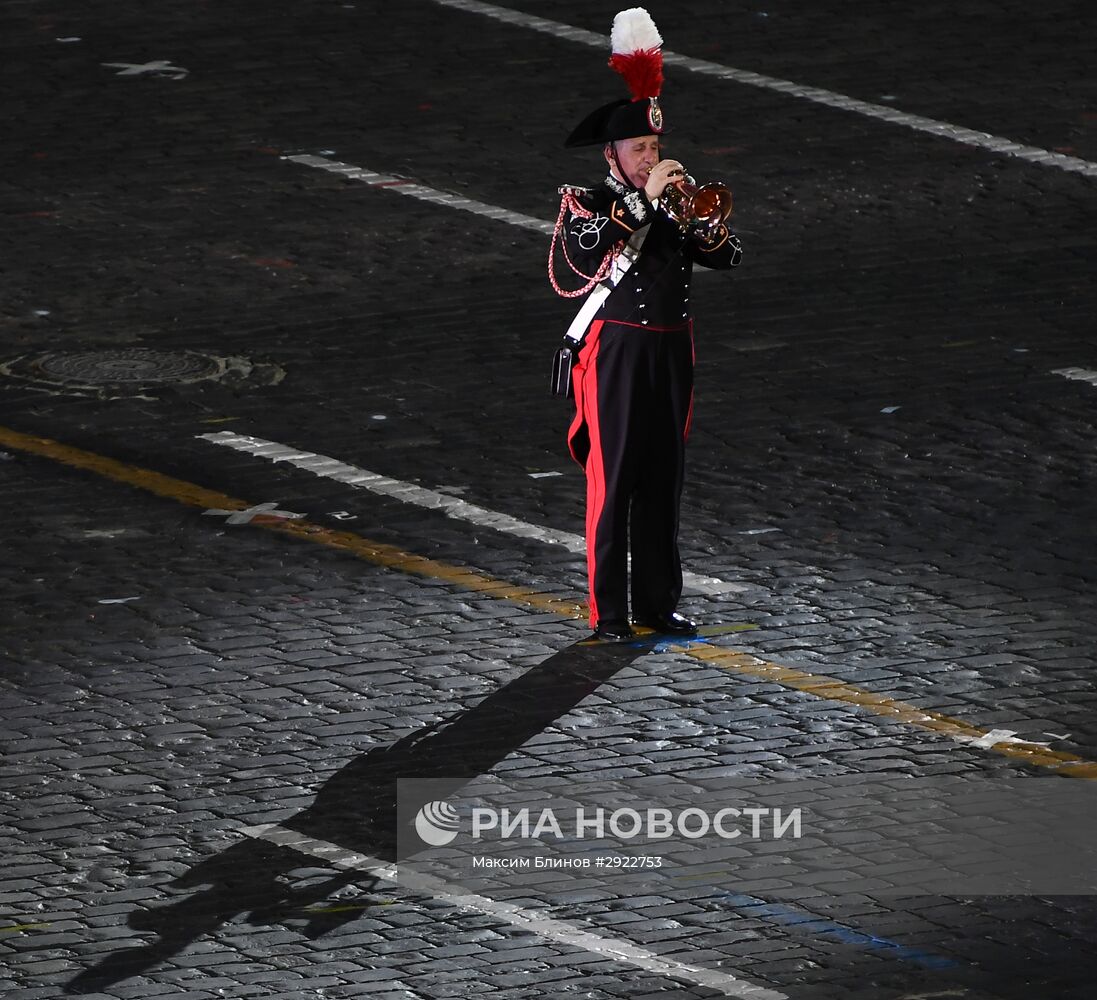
x=636 y=42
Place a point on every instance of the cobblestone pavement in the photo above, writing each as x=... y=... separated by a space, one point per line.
x=889 y=470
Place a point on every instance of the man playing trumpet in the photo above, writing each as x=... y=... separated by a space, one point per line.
x=635 y=247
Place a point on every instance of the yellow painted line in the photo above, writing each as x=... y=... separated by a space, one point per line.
x=22 y=927
x=833 y=689
x=391 y=557
x=378 y=553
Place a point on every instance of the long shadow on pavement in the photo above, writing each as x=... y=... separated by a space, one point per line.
x=356 y=809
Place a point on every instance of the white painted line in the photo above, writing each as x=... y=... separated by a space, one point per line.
x=1077 y=374
x=550 y=928
x=333 y=854
x=451 y=506
x=402 y=186
x=939 y=995
x=944 y=130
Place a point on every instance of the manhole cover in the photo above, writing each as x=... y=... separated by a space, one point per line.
x=129 y=370
x=130 y=366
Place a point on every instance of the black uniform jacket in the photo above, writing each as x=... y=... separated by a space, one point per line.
x=655 y=291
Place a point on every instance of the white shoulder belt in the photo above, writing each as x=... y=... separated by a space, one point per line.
x=621 y=263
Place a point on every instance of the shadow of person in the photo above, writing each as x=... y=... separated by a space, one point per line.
x=357 y=809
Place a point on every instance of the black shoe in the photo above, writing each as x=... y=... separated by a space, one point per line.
x=672 y=624
x=614 y=631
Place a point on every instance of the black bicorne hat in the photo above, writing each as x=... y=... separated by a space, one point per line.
x=637 y=56
x=623 y=119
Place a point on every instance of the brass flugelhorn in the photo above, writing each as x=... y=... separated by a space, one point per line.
x=700 y=208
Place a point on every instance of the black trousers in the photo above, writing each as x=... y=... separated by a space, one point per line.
x=634 y=401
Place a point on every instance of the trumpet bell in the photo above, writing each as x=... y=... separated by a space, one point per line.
x=692 y=207
x=711 y=204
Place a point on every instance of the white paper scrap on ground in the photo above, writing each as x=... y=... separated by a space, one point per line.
x=1077 y=374
x=997 y=736
x=245 y=516
x=158 y=67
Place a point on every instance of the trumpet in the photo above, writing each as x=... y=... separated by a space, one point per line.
x=699 y=208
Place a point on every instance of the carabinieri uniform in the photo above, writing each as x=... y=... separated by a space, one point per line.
x=633 y=376
x=633 y=387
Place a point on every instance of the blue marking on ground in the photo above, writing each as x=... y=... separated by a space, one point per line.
x=665 y=644
x=791 y=916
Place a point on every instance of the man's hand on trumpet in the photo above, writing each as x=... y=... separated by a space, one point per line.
x=663 y=173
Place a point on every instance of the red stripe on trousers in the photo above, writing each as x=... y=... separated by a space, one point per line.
x=586 y=411
x=693 y=357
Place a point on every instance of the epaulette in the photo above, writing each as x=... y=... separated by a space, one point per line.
x=574 y=189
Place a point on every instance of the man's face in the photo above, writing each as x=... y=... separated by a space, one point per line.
x=636 y=156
